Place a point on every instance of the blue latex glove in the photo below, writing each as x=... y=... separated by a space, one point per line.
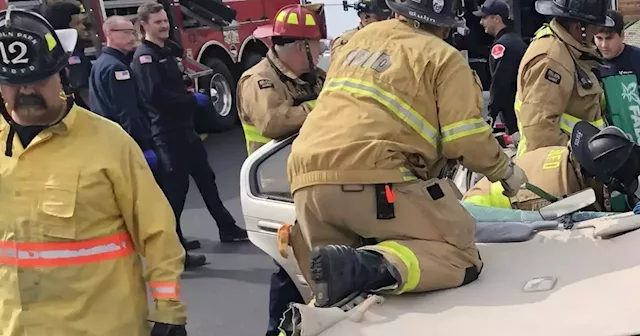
x=202 y=99
x=151 y=158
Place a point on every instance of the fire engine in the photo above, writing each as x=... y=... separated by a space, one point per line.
x=216 y=37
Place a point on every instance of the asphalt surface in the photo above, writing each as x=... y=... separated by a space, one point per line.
x=230 y=295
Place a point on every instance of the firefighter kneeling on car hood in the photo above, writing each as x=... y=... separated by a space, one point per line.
x=364 y=167
x=74 y=224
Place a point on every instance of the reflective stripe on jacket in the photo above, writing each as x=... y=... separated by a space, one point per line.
x=74 y=227
x=273 y=102
x=549 y=99
x=385 y=106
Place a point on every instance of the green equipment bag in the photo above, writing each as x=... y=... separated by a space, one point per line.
x=623 y=103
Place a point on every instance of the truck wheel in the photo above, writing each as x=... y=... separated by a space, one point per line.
x=250 y=60
x=222 y=88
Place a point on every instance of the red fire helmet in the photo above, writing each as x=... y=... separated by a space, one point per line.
x=297 y=21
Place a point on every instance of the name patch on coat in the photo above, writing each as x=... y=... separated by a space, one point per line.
x=265 y=84
x=122 y=75
x=553 y=76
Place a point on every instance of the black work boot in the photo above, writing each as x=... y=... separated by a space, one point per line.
x=194 y=261
x=232 y=234
x=342 y=272
x=190 y=245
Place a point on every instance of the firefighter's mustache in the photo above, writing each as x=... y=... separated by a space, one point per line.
x=29 y=101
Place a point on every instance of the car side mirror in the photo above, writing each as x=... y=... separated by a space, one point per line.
x=568 y=205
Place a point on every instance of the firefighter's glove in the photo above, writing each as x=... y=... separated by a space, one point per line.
x=201 y=98
x=514 y=180
x=151 y=157
x=163 y=329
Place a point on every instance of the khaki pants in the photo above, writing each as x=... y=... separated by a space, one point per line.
x=430 y=241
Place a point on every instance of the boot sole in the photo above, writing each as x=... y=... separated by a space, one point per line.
x=320 y=263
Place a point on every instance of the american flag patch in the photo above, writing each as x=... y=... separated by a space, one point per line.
x=145 y=59
x=122 y=75
x=74 y=60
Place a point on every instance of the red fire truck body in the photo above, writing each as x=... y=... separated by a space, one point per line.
x=218 y=44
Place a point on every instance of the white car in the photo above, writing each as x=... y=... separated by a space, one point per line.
x=579 y=281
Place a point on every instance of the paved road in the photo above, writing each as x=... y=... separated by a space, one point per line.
x=230 y=295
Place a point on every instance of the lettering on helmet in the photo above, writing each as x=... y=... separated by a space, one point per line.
x=377 y=60
x=16 y=52
x=421 y=17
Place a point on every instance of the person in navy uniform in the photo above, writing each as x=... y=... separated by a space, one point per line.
x=113 y=93
x=171 y=109
x=504 y=59
x=620 y=57
x=65 y=15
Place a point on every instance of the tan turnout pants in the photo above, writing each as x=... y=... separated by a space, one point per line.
x=430 y=241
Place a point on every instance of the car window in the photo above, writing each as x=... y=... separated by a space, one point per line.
x=271 y=175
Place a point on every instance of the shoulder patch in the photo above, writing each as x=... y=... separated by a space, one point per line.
x=74 y=60
x=122 y=75
x=497 y=51
x=553 y=76
x=145 y=59
x=265 y=84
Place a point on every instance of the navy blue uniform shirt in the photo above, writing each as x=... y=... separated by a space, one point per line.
x=504 y=59
x=162 y=89
x=114 y=95
x=627 y=62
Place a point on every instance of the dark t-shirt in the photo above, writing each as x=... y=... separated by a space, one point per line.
x=626 y=63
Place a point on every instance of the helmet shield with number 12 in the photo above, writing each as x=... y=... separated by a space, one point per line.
x=30 y=49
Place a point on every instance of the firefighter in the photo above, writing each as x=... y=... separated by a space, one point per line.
x=556 y=87
x=276 y=95
x=113 y=92
x=364 y=167
x=369 y=11
x=171 y=107
x=74 y=225
x=506 y=52
x=274 y=98
x=63 y=15
x=551 y=169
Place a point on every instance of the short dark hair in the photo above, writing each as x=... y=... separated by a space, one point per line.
x=618 y=26
x=146 y=9
x=59 y=14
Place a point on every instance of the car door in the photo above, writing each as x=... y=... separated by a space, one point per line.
x=267 y=203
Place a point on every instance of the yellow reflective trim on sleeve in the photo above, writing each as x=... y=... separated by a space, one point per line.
x=311 y=103
x=464 y=128
x=495 y=198
x=545 y=30
x=293 y=18
x=407 y=175
x=599 y=123
x=400 y=108
x=409 y=259
x=309 y=20
x=251 y=134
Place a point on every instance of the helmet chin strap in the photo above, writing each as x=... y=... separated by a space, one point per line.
x=312 y=68
x=8 y=151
